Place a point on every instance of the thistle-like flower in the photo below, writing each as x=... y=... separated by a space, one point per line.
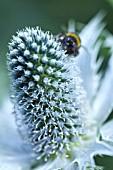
x=47 y=95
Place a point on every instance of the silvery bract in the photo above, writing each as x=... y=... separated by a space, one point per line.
x=58 y=123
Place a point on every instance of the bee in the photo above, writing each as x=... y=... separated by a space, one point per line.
x=70 y=43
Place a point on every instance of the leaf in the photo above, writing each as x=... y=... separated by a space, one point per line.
x=111 y=2
x=13 y=153
x=107 y=131
x=103 y=55
x=103 y=102
x=89 y=36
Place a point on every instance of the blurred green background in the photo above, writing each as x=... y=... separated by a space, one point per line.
x=50 y=15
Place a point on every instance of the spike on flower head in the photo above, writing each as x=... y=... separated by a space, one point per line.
x=47 y=95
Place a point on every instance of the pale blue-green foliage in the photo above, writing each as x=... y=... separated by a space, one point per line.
x=46 y=96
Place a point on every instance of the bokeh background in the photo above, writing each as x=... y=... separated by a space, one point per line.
x=50 y=15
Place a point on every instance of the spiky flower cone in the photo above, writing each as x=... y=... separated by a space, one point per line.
x=46 y=94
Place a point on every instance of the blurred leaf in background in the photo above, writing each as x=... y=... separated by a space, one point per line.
x=111 y=2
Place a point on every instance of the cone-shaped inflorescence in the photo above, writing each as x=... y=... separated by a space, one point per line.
x=46 y=94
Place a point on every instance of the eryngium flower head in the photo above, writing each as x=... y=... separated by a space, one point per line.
x=46 y=93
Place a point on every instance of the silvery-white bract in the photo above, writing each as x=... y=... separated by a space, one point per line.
x=47 y=96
